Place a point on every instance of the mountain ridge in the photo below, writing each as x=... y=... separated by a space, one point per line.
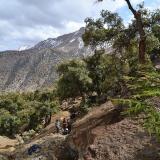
x=34 y=68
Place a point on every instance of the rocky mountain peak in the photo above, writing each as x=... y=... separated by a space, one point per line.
x=34 y=68
x=61 y=41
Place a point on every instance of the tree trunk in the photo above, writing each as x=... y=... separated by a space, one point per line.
x=142 y=48
x=142 y=42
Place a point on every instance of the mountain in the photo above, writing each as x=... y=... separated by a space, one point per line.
x=34 y=68
x=64 y=42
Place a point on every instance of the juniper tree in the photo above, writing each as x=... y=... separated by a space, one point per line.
x=74 y=79
x=140 y=26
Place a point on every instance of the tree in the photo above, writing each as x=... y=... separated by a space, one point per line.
x=103 y=31
x=140 y=27
x=9 y=124
x=74 y=79
x=22 y=112
x=139 y=23
x=95 y=71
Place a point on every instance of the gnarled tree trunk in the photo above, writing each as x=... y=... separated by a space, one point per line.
x=142 y=42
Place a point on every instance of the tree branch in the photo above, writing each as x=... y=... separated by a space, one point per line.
x=131 y=8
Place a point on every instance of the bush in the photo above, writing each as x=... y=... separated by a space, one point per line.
x=26 y=111
x=74 y=79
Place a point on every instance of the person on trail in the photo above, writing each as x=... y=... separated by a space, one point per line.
x=58 y=126
x=69 y=125
x=47 y=120
x=65 y=125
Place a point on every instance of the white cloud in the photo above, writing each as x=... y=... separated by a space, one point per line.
x=72 y=26
x=26 y=22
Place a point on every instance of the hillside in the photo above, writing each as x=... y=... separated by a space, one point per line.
x=105 y=102
x=101 y=134
x=34 y=68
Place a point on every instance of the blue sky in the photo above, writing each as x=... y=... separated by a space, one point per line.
x=26 y=22
x=125 y=13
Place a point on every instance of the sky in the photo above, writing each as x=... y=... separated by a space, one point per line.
x=27 y=22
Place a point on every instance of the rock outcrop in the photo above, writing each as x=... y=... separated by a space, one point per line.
x=7 y=145
x=104 y=135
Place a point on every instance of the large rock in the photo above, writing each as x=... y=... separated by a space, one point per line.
x=7 y=145
x=104 y=135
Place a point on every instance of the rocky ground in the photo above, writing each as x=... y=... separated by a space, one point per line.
x=103 y=134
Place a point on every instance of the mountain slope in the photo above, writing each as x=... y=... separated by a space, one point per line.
x=102 y=134
x=36 y=67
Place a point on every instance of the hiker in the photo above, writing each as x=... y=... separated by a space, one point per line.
x=48 y=119
x=69 y=125
x=65 y=125
x=58 y=126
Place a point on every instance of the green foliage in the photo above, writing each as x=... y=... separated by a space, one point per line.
x=105 y=70
x=20 y=112
x=143 y=86
x=152 y=122
x=120 y=75
x=84 y=106
x=9 y=124
x=133 y=107
x=109 y=29
x=113 y=68
x=96 y=71
x=104 y=29
x=152 y=42
x=74 y=79
x=99 y=73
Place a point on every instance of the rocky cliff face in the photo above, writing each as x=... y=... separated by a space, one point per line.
x=36 y=67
